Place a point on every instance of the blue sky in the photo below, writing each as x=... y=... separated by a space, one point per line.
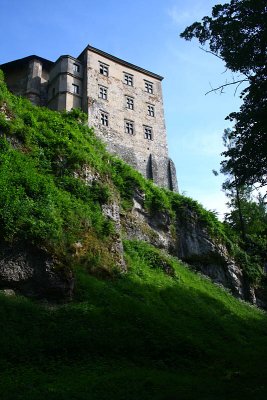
x=145 y=33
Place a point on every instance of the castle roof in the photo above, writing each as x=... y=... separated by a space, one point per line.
x=25 y=61
x=122 y=62
x=48 y=64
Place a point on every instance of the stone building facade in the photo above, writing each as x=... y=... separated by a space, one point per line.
x=123 y=101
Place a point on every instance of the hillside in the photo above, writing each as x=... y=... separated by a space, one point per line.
x=146 y=335
x=111 y=315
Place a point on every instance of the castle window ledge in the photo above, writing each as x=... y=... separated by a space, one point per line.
x=104 y=118
x=76 y=68
x=128 y=79
x=129 y=127
x=148 y=132
x=149 y=87
x=102 y=92
x=151 y=110
x=103 y=69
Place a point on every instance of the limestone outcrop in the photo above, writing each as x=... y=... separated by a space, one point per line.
x=190 y=241
x=32 y=272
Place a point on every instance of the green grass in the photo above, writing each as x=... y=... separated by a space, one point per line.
x=142 y=335
x=157 y=332
x=43 y=158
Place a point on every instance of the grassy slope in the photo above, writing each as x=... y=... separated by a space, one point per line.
x=144 y=335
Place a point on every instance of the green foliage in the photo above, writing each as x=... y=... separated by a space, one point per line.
x=75 y=115
x=152 y=257
x=157 y=200
x=45 y=159
x=253 y=211
x=144 y=335
x=61 y=145
x=127 y=180
x=159 y=331
x=236 y=33
x=96 y=192
x=4 y=93
x=251 y=265
x=40 y=199
x=247 y=218
x=32 y=206
x=186 y=207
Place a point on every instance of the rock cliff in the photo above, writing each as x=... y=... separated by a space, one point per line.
x=68 y=202
x=32 y=272
x=190 y=241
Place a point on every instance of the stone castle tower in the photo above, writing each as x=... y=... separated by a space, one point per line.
x=123 y=101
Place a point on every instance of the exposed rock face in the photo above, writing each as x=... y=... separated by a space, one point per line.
x=189 y=241
x=138 y=224
x=196 y=247
x=87 y=175
x=33 y=273
x=112 y=212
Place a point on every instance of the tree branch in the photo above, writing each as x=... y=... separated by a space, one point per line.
x=221 y=58
x=227 y=84
x=211 y=52
x=239 y=83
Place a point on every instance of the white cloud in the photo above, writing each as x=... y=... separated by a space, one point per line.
x=214 y=200
x=178 y=18
x=200 y=143
x=186 y=13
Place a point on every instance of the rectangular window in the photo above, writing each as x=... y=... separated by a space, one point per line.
x=128 y=79
x=148 y=134
x=151 y=110
x=148 y=87
x=104 y=118
x=130 y=103
x=76 y=68
x=129 y=127
x=103 y=92
x=103 y=69
x=75 y=88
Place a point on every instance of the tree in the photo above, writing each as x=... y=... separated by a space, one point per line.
x=253 y=222
x=254 y=212
x=237 y=33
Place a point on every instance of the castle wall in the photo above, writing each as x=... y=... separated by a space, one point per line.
x=124 y=104
x=16 y=79
x=65 y=77
x=29 y=79
x=150 y=157
x=33 y=90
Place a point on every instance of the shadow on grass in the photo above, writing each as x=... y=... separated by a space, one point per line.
x=161 y=341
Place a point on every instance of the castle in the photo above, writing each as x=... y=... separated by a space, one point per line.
x=123 y=101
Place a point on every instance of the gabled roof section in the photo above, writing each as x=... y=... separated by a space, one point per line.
x=26 y=60
x=122 y=62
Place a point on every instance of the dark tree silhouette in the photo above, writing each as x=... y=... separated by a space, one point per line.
x=237 y=33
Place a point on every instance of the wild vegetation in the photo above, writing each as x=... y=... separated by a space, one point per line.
x=236 y=33
x=160 y=331
x=44 y=158
x=145 y=335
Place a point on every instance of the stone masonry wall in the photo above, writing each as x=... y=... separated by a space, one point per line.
x=150 y=157
x=16 y=79
x=75 y=83
x=62 y=78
